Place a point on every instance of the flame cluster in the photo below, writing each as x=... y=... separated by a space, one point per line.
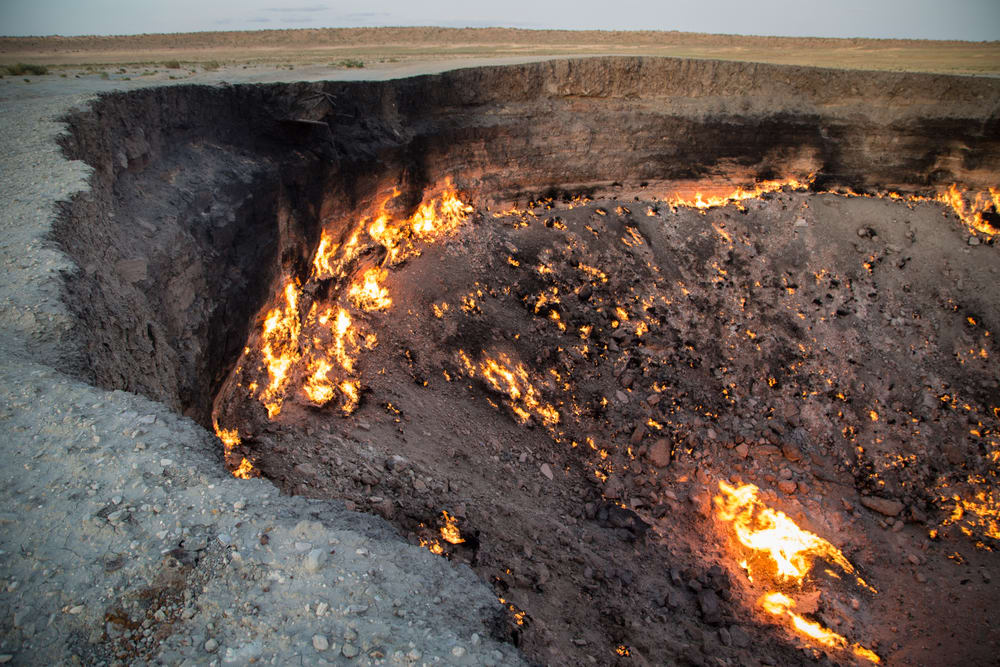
x=513 y=381
x=970 y=206
x=432 y=220
x=310 y=348
x=449 y=533
x=779 y=604
x=724 y=196
x=230 y=438
x=774 y=535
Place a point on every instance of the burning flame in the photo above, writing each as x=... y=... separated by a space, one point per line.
x=791 y=549
x=280 y=348
x=318 y=387
x=230 y=440
x=971 y=211
x=449 y=531
x=726 y=197
x=432 y=220
x=512 y=380
x=369 y=294
x=779 y=604
x=773 y=533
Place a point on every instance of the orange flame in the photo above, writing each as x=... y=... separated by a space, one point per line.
x=971 y=211
x=280 y=348
x=230 y=440
x=779 y=604
x=726 y=197
x=433 y=219
x=506 y=378
x=449 y=531
x=773 y=533
x=368 y=294
x=318 y=386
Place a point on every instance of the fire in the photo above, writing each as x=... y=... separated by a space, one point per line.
x=779 y=604
x=971 y=211
x=324 y=253
x=514 y=381
x=280 y=348
x=352 y=395
x=318 y=386
x=432 y=220
x=725 y=197
x=230 y=440
x=792 y=549
x=449 y=531
x=369 y=294
x=772 y=532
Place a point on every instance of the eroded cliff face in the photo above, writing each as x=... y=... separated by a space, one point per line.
x=201 y=196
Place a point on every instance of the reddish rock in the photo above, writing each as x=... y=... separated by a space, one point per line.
x=882 y=505
x=659 y=453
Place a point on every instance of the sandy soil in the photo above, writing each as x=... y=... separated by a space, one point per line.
x=340 y=48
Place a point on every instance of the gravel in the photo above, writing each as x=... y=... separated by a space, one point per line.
x=123 y=539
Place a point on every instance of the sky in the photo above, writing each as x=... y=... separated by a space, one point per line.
x=973 y=20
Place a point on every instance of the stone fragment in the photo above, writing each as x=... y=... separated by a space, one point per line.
x=320 y=643
x=791 y=452
x=315 y=560
x=547 y=471
x=787 y=486
x=882 y=505
x=211 y=646
x=708 y=603
x=659 y=453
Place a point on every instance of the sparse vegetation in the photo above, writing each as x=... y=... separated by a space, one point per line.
x=105 y=75
x=26 y=68
x=349 y=63
x=211 y=65
x=172 y=64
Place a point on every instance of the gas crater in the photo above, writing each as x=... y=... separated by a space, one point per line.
x=691 y=361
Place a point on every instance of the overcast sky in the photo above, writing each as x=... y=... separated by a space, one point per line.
x=929 y=19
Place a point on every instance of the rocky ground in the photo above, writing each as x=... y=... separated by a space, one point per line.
x=770 y=343
x=124 y=540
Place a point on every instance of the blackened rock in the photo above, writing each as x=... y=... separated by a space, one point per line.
x=620 y=517
x=710 y=606
x=718 y=580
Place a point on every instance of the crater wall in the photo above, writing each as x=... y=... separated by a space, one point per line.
x=201 y=196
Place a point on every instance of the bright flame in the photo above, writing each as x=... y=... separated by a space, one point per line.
x=230 y=440
x=433 y=219
x=369 y=294
x=449 y=531
x=971 y=210
x=725 y=197
x=514 y=381
x=318 y=386
x=773 y=533
x=779 y=604
x=280 y=348
x=324 y=253
x=352 y=395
